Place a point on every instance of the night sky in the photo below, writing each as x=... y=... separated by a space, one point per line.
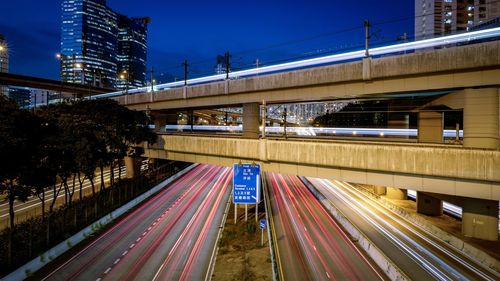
x=271 y=30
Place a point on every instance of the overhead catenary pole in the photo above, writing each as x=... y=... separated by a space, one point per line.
x=152 y=80
x=185 y=64
x=367 y=38
x=284 y=127
x=264 y=109
x=227 y=62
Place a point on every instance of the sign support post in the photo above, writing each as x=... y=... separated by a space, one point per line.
x=235 y=212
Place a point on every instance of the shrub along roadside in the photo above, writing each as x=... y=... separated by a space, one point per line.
x=35 y=236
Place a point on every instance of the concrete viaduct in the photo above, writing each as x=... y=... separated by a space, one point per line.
x=467 y=175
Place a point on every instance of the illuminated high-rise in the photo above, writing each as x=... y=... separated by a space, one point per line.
x=92 y=41
x=439 y=17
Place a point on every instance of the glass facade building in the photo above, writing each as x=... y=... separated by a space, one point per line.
x=4 y=61
x=91 y=45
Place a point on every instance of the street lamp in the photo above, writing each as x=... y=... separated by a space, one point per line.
x=125 y=76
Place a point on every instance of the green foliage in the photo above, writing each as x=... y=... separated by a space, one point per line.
x=251 y=228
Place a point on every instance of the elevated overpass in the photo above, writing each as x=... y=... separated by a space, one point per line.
x=10 y=79
x=468 y=75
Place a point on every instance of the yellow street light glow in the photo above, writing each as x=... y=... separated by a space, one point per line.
x=122 y=76
x=381 y=134
x=58 y=56
x=1 y=48
x=78 y=65
x=354 y=133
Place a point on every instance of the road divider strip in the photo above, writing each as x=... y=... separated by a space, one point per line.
x=26 y=270
x=273 y=243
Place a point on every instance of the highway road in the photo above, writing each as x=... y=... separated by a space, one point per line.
x=419 y=255
x=310 y=244
x=169 y=237
x=33 y=206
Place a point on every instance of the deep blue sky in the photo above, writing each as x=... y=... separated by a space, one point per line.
x=200 y=30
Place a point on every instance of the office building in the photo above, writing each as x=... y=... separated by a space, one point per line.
x=132 y=51
x=439 y=17
x=4 y=61
x=98 y=44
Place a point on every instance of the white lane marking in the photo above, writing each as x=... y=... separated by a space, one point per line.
x=315 y=248
x=124 y=253
x=98 y=279
x=144 y=233
x=305 y=229
x=138 y=239
x=149 y=228
x=117 y=261
x=107 y=270
x=132 y=246
x=327 y=275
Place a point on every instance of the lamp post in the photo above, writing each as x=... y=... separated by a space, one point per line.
x=125 y=76
x=59 y=56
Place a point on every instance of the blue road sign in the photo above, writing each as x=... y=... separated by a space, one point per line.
x=246 y=184
x=262 y=224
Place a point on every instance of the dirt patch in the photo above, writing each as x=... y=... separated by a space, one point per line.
x=240 y=255
x=452 y=226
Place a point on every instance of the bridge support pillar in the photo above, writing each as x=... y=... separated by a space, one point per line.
x=379 y=190
x=133 y=167
x=481 y=118
x=161 y=120
x=396 y=193
x=251 y=120
x=430 y=127
x=429 y=205
x=480 y=219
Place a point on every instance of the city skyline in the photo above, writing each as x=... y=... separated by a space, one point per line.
x=181 y=34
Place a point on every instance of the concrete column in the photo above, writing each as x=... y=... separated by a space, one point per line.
x=379 y=190
x=133 y=167
x=480 y=219
x=251 y=120
x=481 y=118
x=430 y=127
x=160 y=124
x=429 y=205
x=396 y=193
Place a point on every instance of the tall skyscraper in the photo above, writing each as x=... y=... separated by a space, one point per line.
x=132 y=50
x=439 y=17
x=4 y=61
x=98 y=44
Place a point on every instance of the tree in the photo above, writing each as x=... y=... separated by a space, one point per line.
x=16 y=147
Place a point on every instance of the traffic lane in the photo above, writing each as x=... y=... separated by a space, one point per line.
x=190 y=260
x=311 y=245
x=89 y=263
x=145 y=260
x=388 y=246
x=440 y=259
x=33 y=201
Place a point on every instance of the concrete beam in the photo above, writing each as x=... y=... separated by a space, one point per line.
x=461 y=67
x=431 y=168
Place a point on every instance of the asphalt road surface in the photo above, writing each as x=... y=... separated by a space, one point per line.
x=169 y=237
x=419 y=255
x=310 y=244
